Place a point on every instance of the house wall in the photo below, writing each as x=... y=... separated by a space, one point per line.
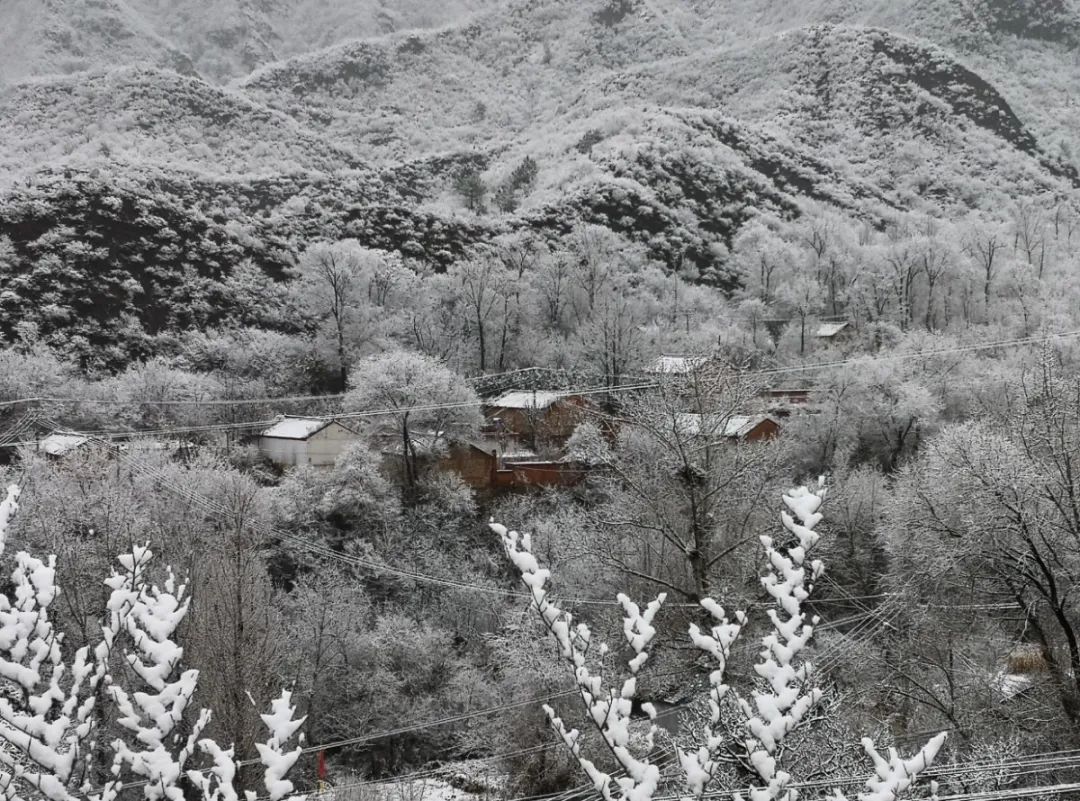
x=327 y=445
x=288 y=452
x=538 y=474
x=472 y=464
x=321 y=449
x=766 y=429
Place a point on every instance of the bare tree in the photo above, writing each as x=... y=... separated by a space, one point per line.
x=332 y=277
x=552 y=281
x=483 y=285
x=903 y=266
x=682 y=490
x=413 y=390
x=611 y=339
x=801 y=294
x=994 y=509
x=985 y=247
x=234 y=638
x=935 y=261
x=1029 y=235
x=595 y=249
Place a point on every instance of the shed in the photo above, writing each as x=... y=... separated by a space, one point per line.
x=752 y=428
x=782 y=401
x=526 y=475
x=296 y=441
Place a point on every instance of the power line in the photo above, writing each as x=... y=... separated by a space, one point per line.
x=651 y=383
x=232 y=401
x=250 y=424
x=1046 y=764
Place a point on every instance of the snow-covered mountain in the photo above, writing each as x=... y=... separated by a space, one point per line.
x=669 y=122
x=219 y=39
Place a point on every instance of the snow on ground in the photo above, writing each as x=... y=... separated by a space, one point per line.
x=474 y=781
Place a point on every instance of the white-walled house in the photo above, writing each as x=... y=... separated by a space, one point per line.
x=294 y=441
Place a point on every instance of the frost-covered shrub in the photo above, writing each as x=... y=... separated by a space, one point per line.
x=52 y=729
x=780 y=702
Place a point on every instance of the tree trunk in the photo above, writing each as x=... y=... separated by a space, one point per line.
x=699 y=567
x=408 y=455
x=483 y=343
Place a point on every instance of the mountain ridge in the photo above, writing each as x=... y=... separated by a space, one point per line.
x=634 y=121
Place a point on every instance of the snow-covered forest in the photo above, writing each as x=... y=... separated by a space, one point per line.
x=539 y=400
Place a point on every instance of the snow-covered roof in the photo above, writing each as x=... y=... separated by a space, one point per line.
x=519 y=454
x=143 y=443
x=676 y=365
x=826 y=330
x=60 y=444
x=296 y=428
x=526 y=399
x=736 y=426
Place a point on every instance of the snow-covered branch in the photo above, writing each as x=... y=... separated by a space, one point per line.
x=277 y=761
x=8 y=507
x=894 y=775
x=785 y=694
x=609 y=709
x=46 y=725
x=788 y=692
x=700 y=764
x=149 y=615
x=47 y=721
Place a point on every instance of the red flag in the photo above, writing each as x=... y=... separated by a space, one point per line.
x=321 y=769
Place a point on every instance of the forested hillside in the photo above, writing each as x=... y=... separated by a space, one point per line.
x=767 y=307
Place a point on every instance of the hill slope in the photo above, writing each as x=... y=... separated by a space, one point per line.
x=156 y=117
x=45 y=37
x=669 y=123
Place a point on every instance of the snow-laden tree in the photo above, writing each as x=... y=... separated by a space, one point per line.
x=272 y=753
x=346 y=287
x=46 y=722
x=153 y=710
x=426 y=401
x=217 y=782
x=784 y=693
x=608 y=707
x=50 y=722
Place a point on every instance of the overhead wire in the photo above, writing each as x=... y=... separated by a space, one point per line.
x=445 y=582
x=328 y=396
x=1012 y=342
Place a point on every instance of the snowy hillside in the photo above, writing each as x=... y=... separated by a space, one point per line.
x=759 y=319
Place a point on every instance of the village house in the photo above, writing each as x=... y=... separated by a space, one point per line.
x=676 y=365
x=485 y=466
x=294 y=441
x=836 y=333
x=474 y=461
x=779 y=402
x=736 y=428
x=534 y=418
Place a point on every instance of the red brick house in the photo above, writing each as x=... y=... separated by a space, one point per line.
x=534 y=416
x=736 y=428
